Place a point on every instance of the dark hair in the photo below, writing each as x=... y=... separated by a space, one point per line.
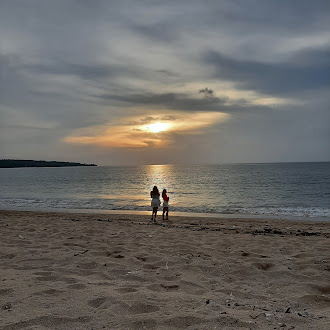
x=155 y=191
x=164 y=192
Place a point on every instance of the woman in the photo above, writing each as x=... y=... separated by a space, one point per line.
x=155 y=202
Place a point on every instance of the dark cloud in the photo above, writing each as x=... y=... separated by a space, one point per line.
x=206 y=91
x=12 y=85
x=280 y=15
x=159 y=32
x=145 y=120
x=168 y=73
x=184 y=102
x=304 y=71
x=83 y=71
x=173 y=101
x=93 y=71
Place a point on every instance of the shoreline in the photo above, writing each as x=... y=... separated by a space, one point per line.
x=172 y=214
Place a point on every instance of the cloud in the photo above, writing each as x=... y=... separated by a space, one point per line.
x=305 y=70
x=174 y=101
x=206 y=91
x=72 y=66
x=83 y=71
x=189 y=103
x=146 y=131
x=157 y=32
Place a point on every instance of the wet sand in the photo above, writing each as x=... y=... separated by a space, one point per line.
x=85 y=271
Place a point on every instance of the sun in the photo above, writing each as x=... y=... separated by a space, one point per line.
x=156 y=127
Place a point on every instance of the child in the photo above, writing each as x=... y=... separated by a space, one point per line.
x=165 y=204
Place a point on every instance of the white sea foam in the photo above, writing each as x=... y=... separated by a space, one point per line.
x=18 y=203
x=291 y=211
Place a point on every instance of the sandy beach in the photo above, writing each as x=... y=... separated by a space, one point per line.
x=85 y=271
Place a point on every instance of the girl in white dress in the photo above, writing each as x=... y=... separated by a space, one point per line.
x=155 y=202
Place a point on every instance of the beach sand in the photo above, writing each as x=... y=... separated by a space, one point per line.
x=84 y=271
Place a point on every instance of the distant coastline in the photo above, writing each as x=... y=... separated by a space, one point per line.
x=13 y=163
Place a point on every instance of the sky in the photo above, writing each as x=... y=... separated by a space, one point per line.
x=165 y=82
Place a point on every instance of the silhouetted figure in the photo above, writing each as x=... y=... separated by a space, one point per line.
x=155 y=202
x=165 y=203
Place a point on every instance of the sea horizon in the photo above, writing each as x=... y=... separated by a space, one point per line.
x=299 y=189
x=212 y=164
x=166 y=164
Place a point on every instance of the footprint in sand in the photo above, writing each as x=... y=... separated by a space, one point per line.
x=141 y=258
x=163 y=287
x=69 y=280
x=263 y=266
x=6 y=292
x=50 y=278
x=119 y=256
x=150 y=266
x=322 y=289
x=182 y=322
x=170 y=287
x=43 y=273
x=88 y=265
x=76 y=286
x=192 y=288
x=145 y=324
x=321 y=301
x=141 y=308
x=126 y=290
x=52 y=292
x=9 y=256
x=98 y=302
x=47 y=322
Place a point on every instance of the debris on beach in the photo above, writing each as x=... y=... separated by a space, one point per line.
x=275 y=231
x=7 y=306
x=104 y=220
x=77 y=254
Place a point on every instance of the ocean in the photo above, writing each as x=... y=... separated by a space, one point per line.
x=275 y=189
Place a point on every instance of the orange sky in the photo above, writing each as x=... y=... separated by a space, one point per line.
x=146 y=131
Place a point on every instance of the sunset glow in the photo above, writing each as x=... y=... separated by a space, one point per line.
x=156 y=127
x=140 y=131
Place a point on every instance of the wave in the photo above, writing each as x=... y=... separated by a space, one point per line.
x=117 y=204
